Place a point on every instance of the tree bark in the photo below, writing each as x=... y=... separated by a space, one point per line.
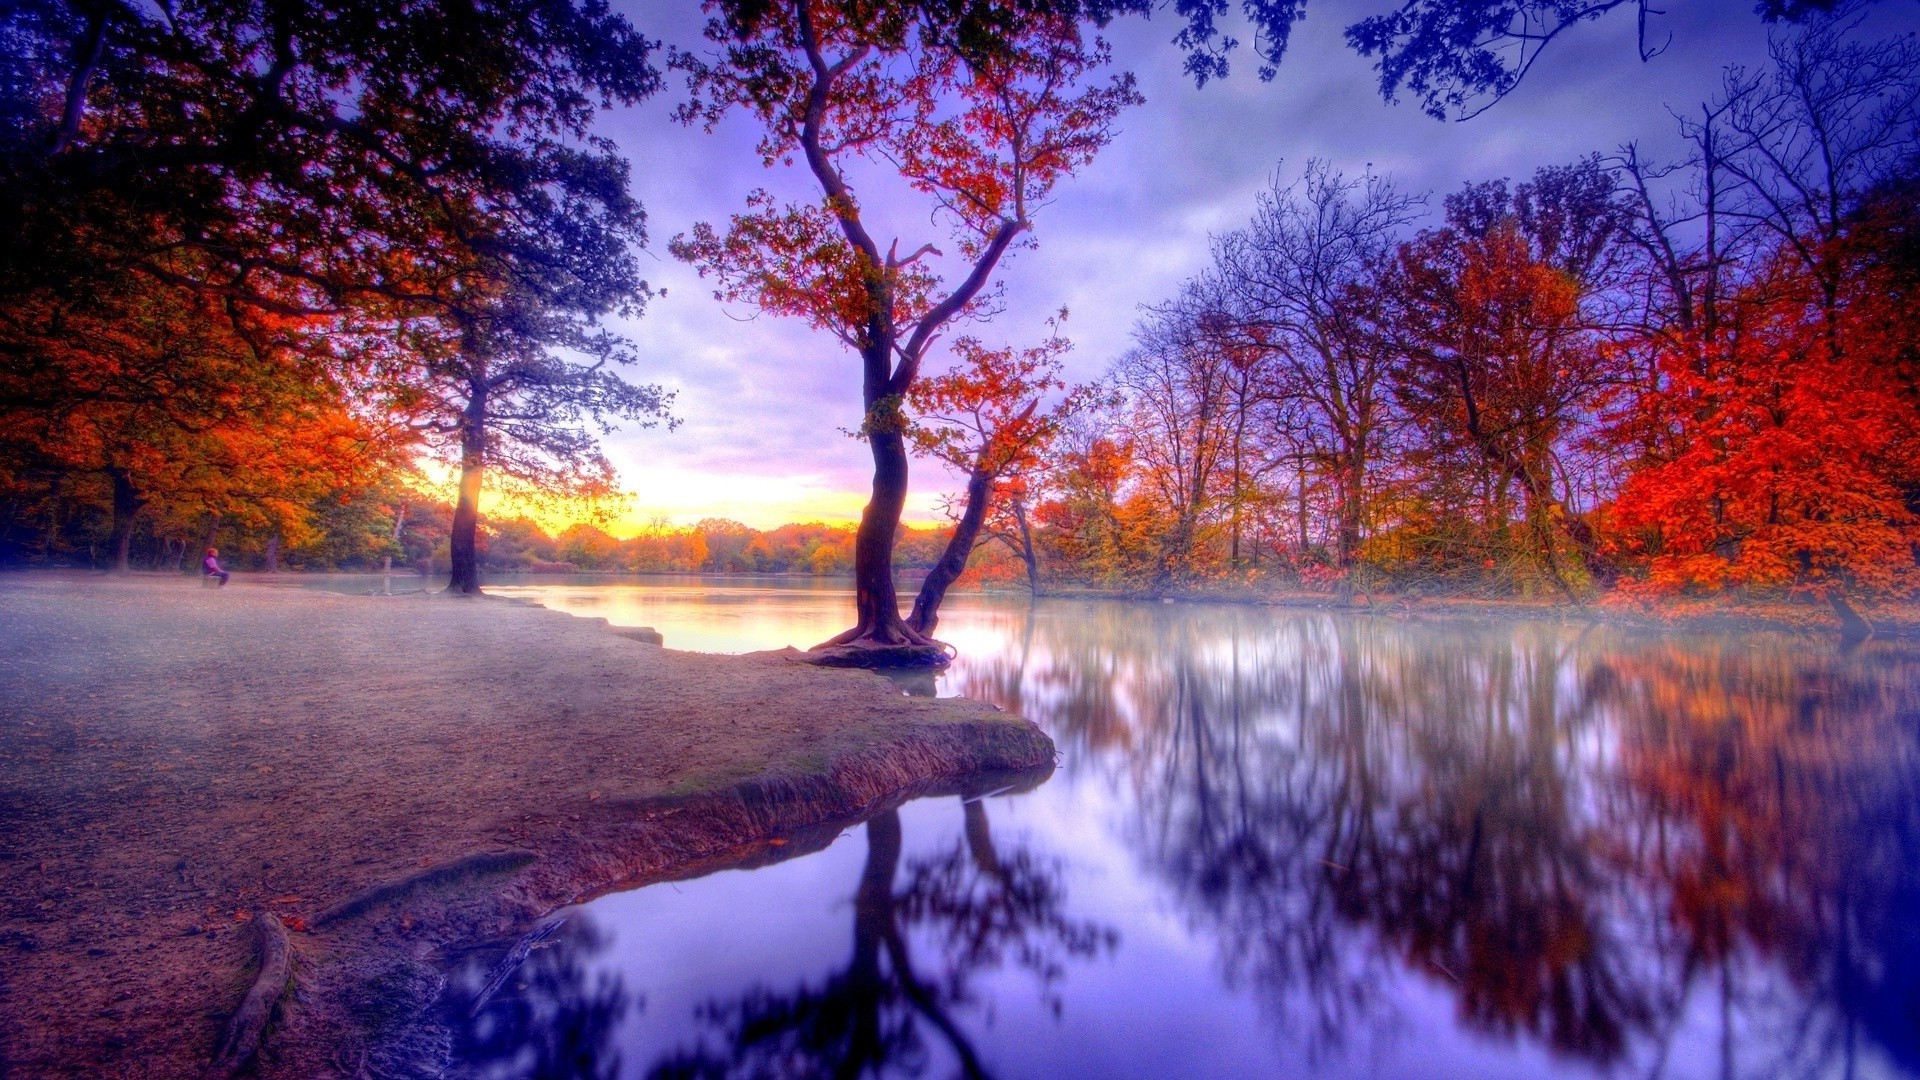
x=462 y=544
x=126 y=506
x=876 y=602
x=1352 y=478
x=953 y=561
x=1026 y=547
x=386 y=563
x=879 y=636
x=273 y=554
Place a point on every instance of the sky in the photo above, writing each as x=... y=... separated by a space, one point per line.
x=765 y=402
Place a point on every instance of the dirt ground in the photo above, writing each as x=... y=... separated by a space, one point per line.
x=176 y=761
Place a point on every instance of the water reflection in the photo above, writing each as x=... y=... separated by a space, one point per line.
x=1595 y=841
x=884 y=1013
x=925 y=928
x=543 y=1010
x=1396 y=847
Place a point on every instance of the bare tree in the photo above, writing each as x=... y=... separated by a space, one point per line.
x=1300 y=283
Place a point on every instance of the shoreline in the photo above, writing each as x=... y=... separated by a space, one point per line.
x=1891 y=619
x=183 y=769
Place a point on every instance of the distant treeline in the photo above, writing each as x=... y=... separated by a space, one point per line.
x=362 y=533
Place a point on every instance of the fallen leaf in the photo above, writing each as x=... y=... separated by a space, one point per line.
x=286 y=900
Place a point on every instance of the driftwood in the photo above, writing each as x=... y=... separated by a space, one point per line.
x=511 y=962
x=249 y=1023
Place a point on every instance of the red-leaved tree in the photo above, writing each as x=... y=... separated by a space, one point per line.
x=1784 y=447
x=980 y=126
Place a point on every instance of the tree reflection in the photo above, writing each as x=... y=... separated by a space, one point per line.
x=549 y=1016
x=886 y=1014
x=1592 y=840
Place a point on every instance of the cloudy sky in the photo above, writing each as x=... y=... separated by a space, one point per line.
x=765 y=401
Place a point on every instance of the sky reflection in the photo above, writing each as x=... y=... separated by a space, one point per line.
x=1373 y=847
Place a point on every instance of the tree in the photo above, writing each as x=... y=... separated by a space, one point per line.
x=1179 y=386
x=504 y=399
x=983 y=420
x=188 y=406
x=1501 y=357
x=383 y=166
x=1782 y=458
x=982 y=125
x=1078 y=517
x=1461 y=56
x=1774 y=423
x=1301 y=279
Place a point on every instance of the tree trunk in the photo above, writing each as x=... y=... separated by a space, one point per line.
x=56 y=495
x=126 y=506
x=1026 y=546
x=462 y=544
x=980 y=840
x=1352 y=478
x=880 y=637
x=1540 y=503
x=386 y=562
x=1853 y=628
x=1300 y=510
x=273 y=554
x=953 y=561
x=876 y=602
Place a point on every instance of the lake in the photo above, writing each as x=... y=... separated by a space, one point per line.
x=1288 y=843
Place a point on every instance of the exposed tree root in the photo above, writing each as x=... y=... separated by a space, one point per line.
x=862 y=653
x=249 y=1023
x=892 y=644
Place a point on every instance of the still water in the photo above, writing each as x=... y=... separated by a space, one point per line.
x=1285 y=843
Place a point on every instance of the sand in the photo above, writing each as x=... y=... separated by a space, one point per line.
x=386 y=775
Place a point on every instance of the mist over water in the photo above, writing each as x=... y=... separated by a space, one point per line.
x=1291 y=843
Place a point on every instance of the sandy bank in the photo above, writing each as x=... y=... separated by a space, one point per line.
x=385 y=775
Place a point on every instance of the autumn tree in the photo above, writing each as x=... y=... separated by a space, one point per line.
x=1501 y=357
x=183 y=405
x=1077 y=513
x=1782 y=458
x=1182 y=386
x=379 y=165
x=1774 y=424
x=983 y=419
x=980 y=120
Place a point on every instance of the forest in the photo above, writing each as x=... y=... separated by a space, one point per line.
x=278 y=269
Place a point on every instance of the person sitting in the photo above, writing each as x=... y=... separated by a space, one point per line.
x=210 y=568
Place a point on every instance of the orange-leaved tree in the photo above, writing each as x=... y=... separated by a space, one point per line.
x=984 y=419
x=1502 y=357
x=1783 y=450
x=981 y=120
